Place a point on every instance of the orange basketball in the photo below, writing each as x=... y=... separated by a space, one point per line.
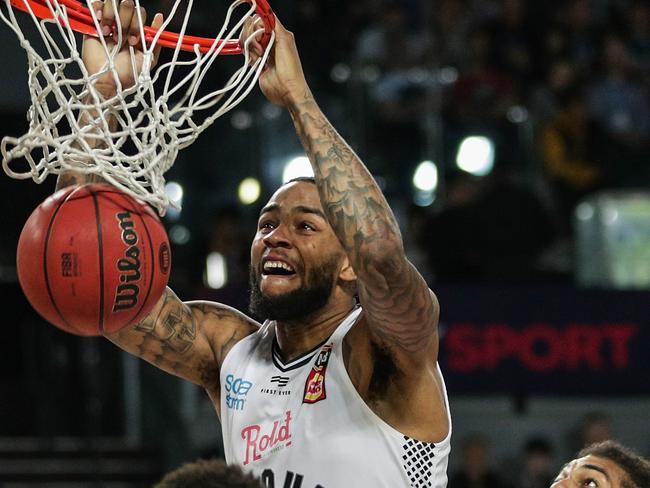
x=93 y=260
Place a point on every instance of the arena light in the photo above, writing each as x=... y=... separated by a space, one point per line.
x=241 y=120
x=174 y=192
x=424 y=198
x=584 y=211
x=249 y=190
x=425 y=177
x=610 y=216
x=341 y=73
x=180 y=235
x=216 y=272
x=476 y=155
x=296 y=168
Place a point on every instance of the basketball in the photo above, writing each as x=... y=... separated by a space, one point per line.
x=93 y=260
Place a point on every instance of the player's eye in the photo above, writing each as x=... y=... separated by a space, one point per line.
x=307 y=226
x=589 y=483
x=266 y=225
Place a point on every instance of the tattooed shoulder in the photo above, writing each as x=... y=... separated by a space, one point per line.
x=175 y=326
x=189 y=340
x=225 y=326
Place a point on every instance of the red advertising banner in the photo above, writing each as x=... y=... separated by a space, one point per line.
x=547 y=340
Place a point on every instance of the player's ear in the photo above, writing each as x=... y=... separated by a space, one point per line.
x=347 y=273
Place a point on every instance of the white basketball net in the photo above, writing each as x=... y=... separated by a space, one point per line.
x=157 y=117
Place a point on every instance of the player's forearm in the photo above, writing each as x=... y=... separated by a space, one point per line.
x=166 y=337
x=68 y=178
x=88 y=121
x=354 y=204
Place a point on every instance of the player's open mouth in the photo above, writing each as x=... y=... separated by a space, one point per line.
x=277 y=268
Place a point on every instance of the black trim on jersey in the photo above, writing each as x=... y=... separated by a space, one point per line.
x=294 y=363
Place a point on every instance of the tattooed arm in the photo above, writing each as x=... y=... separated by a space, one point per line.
x=189 y=340
x=400 y=309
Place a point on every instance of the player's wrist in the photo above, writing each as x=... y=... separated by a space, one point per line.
x=298 y=99
x=107 y=90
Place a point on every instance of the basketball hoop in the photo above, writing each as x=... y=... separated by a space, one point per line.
x=165 y=111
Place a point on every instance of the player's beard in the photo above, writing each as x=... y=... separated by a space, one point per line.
x=296 y=304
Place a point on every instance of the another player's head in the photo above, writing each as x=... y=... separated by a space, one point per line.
x=213 y=473
x=605 y=465
x=298 y=265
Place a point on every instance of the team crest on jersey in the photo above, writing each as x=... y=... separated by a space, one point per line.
x=315 y=384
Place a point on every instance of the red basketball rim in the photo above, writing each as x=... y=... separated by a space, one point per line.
x=81 y=21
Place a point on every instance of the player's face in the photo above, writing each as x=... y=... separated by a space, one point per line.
x=295 y=256
x=590 y=472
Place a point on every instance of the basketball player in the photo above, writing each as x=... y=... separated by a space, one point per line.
x=605 y=465
x=340 y=388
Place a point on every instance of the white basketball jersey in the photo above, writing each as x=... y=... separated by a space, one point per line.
x=302 y=424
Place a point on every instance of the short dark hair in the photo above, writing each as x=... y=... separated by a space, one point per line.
x=635 y=467
x=208 y=473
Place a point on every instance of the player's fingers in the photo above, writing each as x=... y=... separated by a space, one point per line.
x=245 y=32
x=248 y=28
x=97 y=8
x=125 y=14
x=254 y=45
x=139 y=18
x=108 y=17
x=158 y=20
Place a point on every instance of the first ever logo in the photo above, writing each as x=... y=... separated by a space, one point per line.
x=236 y=391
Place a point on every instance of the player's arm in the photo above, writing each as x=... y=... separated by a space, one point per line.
x=400 y=309
x=94 y=58
x=189 y=339
x=186 y=339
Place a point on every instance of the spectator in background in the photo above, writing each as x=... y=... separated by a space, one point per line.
x=492 y=229
x=452 y=24
x=511 y=36
x=620 y=105
x=398 y=99
x=483 y=92
x=606 y=464
x=475 y=471
x=580 y=32
x=594 y=427
x=572 y=161
x=390 y=39
x=637 y=21
x=546 y=96
x=538 y=468
x=212 y=473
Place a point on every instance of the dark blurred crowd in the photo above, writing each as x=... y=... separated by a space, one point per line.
x=561 y=87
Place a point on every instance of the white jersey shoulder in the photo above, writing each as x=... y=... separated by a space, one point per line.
x=303 y=424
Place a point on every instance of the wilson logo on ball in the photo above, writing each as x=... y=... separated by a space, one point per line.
x=129 y=266
x=87 y=259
